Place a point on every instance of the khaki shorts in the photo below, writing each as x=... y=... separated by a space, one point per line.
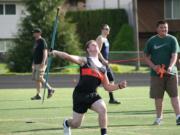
x=37 y=73
x=160 y=85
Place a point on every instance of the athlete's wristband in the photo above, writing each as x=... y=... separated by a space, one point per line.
x=119 y=85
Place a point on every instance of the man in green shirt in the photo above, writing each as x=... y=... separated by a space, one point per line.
x=162 y=49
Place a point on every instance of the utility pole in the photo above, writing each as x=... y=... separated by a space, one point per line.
x=104 y=4
x=118 y=3
x=136 y=33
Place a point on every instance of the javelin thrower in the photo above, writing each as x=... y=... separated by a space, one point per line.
x=85 y=96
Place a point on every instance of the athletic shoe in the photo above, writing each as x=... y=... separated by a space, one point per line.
x=37 y=97
x=50 y=93
x=178 y=121
x=114 y=102
x=67 y=129
x=157 y=121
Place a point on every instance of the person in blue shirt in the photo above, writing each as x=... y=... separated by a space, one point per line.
x=104 y=45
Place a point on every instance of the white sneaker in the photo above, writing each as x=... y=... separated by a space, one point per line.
x=67 y=130
x=157 y=121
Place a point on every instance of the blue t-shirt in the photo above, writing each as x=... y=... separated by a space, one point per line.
x=105 y=49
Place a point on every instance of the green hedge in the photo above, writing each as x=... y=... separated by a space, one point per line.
x=124 y=39
x=89 y=22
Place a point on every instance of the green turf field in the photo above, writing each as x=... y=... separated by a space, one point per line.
x=21 y=116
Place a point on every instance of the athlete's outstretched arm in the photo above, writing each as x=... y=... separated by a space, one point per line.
x=72 y=58
x=111 y=87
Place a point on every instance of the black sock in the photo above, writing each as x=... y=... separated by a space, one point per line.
x=103 y=131
x=66 y=122
x=111 y=96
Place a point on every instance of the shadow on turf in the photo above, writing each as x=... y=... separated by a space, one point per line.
x=119 y=125
x=83 y=127
x=139 y=112
x=38 y=130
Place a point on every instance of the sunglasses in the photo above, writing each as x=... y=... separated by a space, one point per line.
x=106 y=29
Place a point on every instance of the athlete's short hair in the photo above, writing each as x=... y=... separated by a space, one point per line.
x=161 y=22
x=88 y=43
x=104 y=25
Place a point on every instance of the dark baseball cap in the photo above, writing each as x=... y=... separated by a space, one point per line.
x=37 y=30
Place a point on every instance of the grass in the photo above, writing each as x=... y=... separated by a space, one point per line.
x=128 y=69
x=74 y=69
x=3 y=68
x=21 y=116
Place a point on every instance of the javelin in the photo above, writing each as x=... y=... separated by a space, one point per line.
x=52 y=47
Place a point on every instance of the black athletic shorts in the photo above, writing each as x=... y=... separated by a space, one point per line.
x=110 y=74
x=83 y=101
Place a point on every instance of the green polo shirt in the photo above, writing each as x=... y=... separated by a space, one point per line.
x=160 y=50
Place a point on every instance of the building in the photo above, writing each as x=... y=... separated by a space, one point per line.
x=10 y=13
x=112 y=4
x=150 y=11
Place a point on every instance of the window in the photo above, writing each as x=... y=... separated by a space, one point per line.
x=5 y=45
x=10 y=9
x=172 y=9
x=1 y=9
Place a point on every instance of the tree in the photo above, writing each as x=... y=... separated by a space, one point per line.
x=124 y=39
x=41 y=14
